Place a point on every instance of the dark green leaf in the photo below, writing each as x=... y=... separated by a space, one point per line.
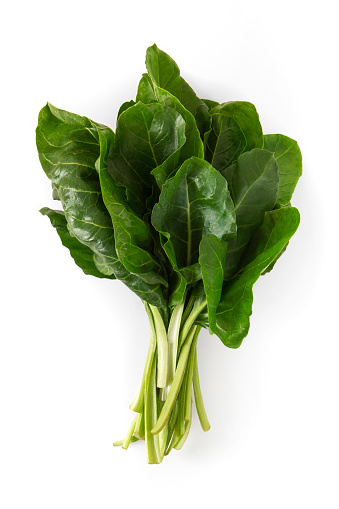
x=210 y=104
x=146 y=136
x=166 y=74
x=178 y=287
x=133 y=240
x=271 y=265
x=288 y=156
x=212 y=259
x=262 y=236
x=246 y=116
x=253 y=182
x=81 y=254
x=192 y=273
x=192 y=146
x=225 y=142
x=68 y=147
x=145 y=92
x=125 y=106
x=194 y=202
x=235 y=307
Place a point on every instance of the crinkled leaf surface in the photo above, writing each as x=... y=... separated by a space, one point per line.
x=81 y=254
x=212 y=259
x=166 y=74
x=253 y=182
x=146 y=135
x=194 y=202
x=246 y=116
x=288 y=156
x=68 y=147
x=235 y=307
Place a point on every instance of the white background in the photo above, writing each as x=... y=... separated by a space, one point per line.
x=73 y=348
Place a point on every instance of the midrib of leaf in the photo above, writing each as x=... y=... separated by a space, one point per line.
x=149 y=138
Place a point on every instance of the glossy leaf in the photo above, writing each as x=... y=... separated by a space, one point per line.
x=253 y=183
x=246 y=116
x=68 y=147
x=192 y=145
x=178 y=287
x=212 y=259
x=133 y=240
x=235 y=307
x=166 y=74
x=225 y=142
x=145 y=92
x=194 y=202
x=125 y=106
x=288 y=156
x=146 y=136
x=262 y=236
x=81 y=254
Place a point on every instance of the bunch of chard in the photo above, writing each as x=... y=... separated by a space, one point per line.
x=187 y=203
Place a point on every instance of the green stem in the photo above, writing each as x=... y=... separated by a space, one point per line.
x=183 y=438
x=139 y=431
x=128 y=437
x=138 y=402
x=188 y=308
x=162 y=347
x=172 y=424
x=152 y=442
x=199 y=403
x=173 y=337
x=173 y=441
x=188 y=409
x=176 y=384
x=119 y=443
x=163 y=440
x=198 y=306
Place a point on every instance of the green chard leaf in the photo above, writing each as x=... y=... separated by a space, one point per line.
x=225 y=142
x=68 y=147
x=212 y=259
x=146 y=92
x=192 y=145
x=125 y=106
x=166 y=74
x=253 y=182
x=261 y=237
x=247 y=118
x=288 y=156
x=133 y=240
x=194 y=202
x=210 y=104
x=146 y=136
x=81 y=254
x=235 y=307
x=178 y=286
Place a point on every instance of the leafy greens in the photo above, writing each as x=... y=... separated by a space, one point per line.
x=187 y=203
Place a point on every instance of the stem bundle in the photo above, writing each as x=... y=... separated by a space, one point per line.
x=164 y=401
